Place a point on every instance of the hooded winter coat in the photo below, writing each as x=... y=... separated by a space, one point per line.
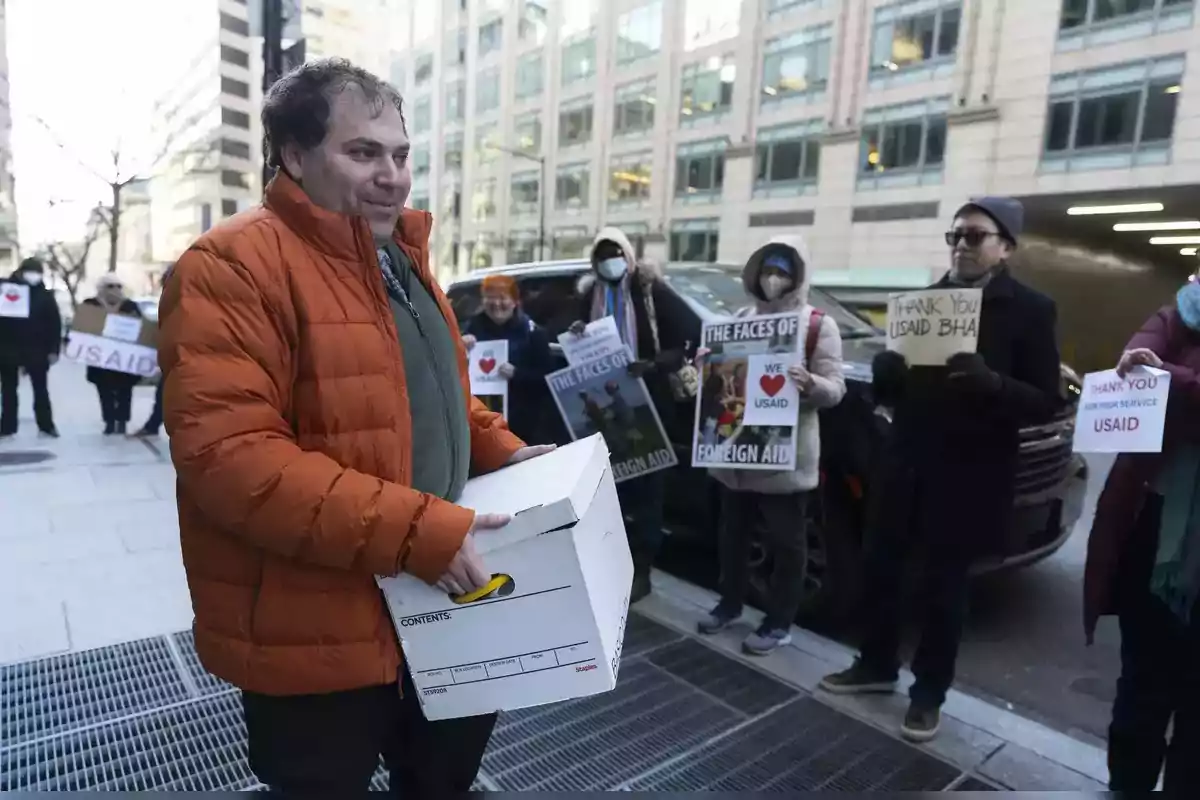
x=829 y=382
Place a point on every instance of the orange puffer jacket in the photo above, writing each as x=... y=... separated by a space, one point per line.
x=290 y=432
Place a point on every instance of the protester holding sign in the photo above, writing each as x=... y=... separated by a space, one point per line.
x=114 y=388
x=528 y=362
x=945 y=478
x=631 y=292
x=1143 y=564
x=774 y=501
x=30 y=340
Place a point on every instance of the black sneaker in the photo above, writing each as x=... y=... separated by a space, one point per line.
x=51 y=433
x=719 y=619
x=121 y=428
x=859 y=679
x=921 y=723
x=110 y=428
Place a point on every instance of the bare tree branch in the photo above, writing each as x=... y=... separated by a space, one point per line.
x=69 y=263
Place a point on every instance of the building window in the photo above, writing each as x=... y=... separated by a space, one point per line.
x=452 y=155
x=639 y=33
x=420 y=161
x=1104 y=21
x=456 y=98
x=578 y=17
x=235 y=87
x=483 y=200
x=232 y=55
x=707 y=22
x=904 y=144
x=452 y=202
x=522 y=247
x=529 y=74
x=629 y=178
x=695 y=240
x=575 y=123
x=523 y=189
x=235 y=119
x=571 y=185
x=633 y=108
x=234 y=25
x=456 y=47
x=1116 y=116
x=527 y=132
x=913 y=34
x=571 y=242
x=787 y=159
x=700 y=170
x=481 y=252
x=422 y=115
x=487 y=90
x=486 y=140
x=205 y=216
x=796 y=64
x=578 y=60
x=232 y=147
x=422 y=69
x=491 y=36
x=532 y=25
x=231 y=177
x=396 y=74
x=776 y=8
x=706 y=87
x=419 y=201
x=229 y=208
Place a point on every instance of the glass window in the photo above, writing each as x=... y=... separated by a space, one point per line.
x=487 y=90
x=422 y=115
x=706 y=87
x=452 y=155
x=570 y=243
x=231 y=177
x=699 y=169
x=483 y=200
x=1082 y=13
x=578 y=16
x=695 y=240
x=532 y=25
x=456 y=98
x=578 y=60
x=529 y=74
x=235 y=56
x=486 y=140
x=523 y=189
x=575 y=125
x=522 y=247
x=633 y=107
x=452 y=202
x=481 y=251
x=232 y=147
x=228 y=208
x=235 y=119
x=420 y=161
x=491 y=36
x=527 y=132
x=456 y=46
x=1111 y=117
x=419 y=201
x=423 y=68
x=629 y=178
x=902 y=144
x=234 y=25
x=797 y=63
x=777 y=7
x=571 y=184
x=903 y=40
x=234 y=87
x=787 y=161
x=707 y=22
x=639 y=32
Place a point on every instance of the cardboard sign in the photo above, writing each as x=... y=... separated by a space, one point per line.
x=483 y=365
x=927 y=327
x=90 y=342
x=553 y=627
x=14 y=300
x=1122 y=415
x=600 y=396
x=600 y=338
x=747 y=408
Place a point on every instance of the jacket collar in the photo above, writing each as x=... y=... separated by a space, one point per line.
x=339 y=235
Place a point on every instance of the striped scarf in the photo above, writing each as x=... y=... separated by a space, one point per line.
x=616 y=301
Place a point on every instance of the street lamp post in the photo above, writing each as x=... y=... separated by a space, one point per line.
x=541 y=161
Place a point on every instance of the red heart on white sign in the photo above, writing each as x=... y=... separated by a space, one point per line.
x=487 y=365
x=771 y=384
x=12 y=297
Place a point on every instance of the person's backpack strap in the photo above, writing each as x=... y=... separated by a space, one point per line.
x=814 y=333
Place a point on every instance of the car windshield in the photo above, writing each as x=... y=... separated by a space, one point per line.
x=718 y=289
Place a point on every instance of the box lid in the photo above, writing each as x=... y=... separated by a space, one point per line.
x=542 y=494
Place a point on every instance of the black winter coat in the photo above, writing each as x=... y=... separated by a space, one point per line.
x=949 y=465
x=29 y=342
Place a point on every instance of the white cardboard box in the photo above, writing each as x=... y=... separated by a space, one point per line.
x=556 y=631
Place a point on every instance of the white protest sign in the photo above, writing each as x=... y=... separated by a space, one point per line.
x=14 y=300
x=96 y=351
x=486 y=358
x=600 y=338
x=1122 y=415
x=771 y=397
x=122 y=328
x=929 y=326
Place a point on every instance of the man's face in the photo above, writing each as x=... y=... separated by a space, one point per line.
x=362 y=166
x=980 y=246
x=498 y=305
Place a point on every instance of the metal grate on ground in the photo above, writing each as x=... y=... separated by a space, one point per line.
x=206 y=683
x=974 y=784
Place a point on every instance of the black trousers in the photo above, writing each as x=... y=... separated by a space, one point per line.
x=641 y=500
x=155 y=421
x=328 y=745
x=116 y=399
x=10 y=379
x=781 y=522
x=904 y=516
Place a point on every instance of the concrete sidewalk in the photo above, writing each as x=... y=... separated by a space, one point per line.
x=89 y=555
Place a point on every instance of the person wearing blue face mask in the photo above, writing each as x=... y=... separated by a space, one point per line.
x=30 y=342
x=631 y=292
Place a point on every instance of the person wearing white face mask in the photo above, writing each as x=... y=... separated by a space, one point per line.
x=30 y=343
x=776 y=278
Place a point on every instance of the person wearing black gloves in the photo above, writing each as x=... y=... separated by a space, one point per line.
x=944 y=483
x=31 y=343
x=631 y=292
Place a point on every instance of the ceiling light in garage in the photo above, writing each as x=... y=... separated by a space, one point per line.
x=1175 y=240
x=1182 y=225
x=1188 y=251
x=1129 y=208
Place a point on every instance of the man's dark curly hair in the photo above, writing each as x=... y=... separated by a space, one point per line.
x=296 y=109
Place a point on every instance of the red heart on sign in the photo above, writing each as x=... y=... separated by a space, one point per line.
x=771 y=384
x=487 y=365
x=12 y=297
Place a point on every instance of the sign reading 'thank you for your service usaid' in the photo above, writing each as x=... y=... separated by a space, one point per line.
x=1122 y=415
x=929 y=326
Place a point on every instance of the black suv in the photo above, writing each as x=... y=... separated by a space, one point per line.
x=1050 y=484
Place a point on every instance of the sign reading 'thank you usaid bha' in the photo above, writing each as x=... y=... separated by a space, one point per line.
x=929 y=326
x=112 y=341
x=1122 y=415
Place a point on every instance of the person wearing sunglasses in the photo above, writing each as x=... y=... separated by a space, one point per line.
x=944 y=483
